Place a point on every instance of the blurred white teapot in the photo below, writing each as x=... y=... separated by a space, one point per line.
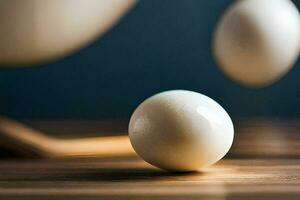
x=35 y=31
x=258 y=41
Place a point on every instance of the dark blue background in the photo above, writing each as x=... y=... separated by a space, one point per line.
x=160 y=45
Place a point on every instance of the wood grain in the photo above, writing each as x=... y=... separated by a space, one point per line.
x=264 y=163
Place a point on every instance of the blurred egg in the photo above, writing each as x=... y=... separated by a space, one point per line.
x=35 y=31
x=181 y=131
x=257 y=41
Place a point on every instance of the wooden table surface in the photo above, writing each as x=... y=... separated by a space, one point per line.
x=264 y=163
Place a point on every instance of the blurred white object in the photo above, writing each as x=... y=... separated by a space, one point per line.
x=35 y=31
x=181 y=131
x=257 y=41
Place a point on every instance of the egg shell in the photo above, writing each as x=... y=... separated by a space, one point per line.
x=256 y=42
x=181 y=131
x=35 y=31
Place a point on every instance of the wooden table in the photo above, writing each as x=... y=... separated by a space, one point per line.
x=264 y=163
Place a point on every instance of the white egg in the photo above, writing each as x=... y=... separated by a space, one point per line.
x=35 y=31
x=181 y=131
x=257 y=41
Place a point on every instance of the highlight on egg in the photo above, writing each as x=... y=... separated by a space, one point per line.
x=257 y=42
x=181 y=130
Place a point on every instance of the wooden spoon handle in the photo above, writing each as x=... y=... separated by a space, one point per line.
x=27 y=139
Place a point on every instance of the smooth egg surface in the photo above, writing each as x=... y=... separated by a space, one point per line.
x=181 y=131
x=34 y=31
x=256 y=42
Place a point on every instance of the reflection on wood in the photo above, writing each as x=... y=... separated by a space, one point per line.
x=265 y=139
x=254 y=169
x=132 y=178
